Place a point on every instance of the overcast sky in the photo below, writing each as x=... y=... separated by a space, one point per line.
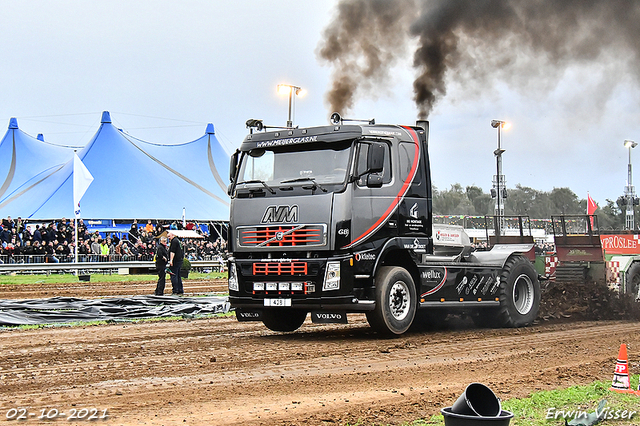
x=164 y=69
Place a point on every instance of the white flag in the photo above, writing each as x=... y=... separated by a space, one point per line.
x=81 y=181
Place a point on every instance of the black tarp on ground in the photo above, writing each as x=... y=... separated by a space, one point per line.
x=70 y=309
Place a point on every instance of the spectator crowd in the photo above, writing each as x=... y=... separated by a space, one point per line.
x=23 y=242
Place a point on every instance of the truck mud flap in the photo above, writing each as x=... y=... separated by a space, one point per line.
x=333 y=317
x=248 y=315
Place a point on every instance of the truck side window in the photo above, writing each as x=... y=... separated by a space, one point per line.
x=361 y=163
x=407 y=151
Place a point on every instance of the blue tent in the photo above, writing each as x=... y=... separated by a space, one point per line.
x=24 y=158
x=132 y=179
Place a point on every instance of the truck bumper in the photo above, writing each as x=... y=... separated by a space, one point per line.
x=338 y=303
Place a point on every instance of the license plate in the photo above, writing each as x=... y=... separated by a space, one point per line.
x=277 y=302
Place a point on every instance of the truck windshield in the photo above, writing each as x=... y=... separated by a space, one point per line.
x=320 y=163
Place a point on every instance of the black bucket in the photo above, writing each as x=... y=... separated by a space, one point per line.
x=454 y=419
x=477 y=400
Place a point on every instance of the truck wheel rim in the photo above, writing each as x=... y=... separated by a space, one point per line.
x=523 y=294
x=399 y=300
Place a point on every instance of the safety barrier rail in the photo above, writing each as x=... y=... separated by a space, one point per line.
x=110 y=266
x=66 y=258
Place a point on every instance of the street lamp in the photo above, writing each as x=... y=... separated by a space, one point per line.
x=629 y=190
x=499 y=182
x=288 y=89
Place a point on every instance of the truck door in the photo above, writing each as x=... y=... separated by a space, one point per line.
x=413 y=212
x=372 y=197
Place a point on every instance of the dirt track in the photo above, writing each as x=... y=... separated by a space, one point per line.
x=221 y=372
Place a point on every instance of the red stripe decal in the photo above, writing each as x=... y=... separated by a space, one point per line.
x=398 y=198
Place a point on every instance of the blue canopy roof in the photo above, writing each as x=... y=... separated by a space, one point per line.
x=23 y=157
x=132 y=179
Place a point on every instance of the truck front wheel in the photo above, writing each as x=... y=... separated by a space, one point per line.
x=519 y=293
x=283 y=319
x=396 y=301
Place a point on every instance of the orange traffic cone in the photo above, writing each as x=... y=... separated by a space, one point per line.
x=620 y=382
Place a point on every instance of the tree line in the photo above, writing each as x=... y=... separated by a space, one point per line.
x=525 y=201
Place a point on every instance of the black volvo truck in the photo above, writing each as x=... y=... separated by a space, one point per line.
x=337 y=219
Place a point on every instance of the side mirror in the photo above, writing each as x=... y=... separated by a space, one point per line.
x=233 y=165
x=375 y=158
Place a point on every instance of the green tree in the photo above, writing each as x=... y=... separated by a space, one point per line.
x=565 y=201
x=610 y=217
x=453 y=202
x=482 y=202
x=524 y=201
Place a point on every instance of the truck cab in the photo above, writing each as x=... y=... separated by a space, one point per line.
x=337 y=219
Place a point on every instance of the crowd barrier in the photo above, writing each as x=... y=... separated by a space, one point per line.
x=43 y=258
x=107 y=265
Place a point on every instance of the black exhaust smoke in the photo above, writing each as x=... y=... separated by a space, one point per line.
x=528 y=43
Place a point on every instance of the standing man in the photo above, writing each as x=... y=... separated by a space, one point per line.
x=162 y=256
x=176 y=255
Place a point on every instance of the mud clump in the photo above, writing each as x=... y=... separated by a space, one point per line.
x=589 y=301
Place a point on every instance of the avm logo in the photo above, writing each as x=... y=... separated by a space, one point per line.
x=280 y=214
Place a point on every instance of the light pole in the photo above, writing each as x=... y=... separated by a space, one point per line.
x=499 y=181
x=629 y=190
x=288 y=89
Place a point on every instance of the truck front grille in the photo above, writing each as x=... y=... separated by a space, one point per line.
x=280 y=268
x=282 y=236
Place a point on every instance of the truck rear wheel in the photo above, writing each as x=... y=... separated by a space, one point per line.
x=519 y=294
x=633 y=281
x=396 y=301
x=283 y=319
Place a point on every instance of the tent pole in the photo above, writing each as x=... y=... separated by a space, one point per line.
x=75 y=220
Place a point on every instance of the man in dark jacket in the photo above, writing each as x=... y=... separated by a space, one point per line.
x=176 y=254
x=162 y=256
x=37 y=235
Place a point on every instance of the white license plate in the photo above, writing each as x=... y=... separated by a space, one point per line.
x=277 y=302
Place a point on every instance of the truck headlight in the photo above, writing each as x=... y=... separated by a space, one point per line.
x=332 y=276
x=271 y=287
x=233 y=277
x=284 y=286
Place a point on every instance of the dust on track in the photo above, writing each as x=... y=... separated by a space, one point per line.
x=219 y=371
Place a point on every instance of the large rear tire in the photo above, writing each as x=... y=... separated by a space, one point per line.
x=396 y=301
x=283 y=319
x=632 y=281
x=519 y=294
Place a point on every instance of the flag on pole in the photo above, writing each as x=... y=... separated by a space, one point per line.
x=81 y=181
x=591 y=207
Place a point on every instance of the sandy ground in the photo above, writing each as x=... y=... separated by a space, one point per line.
x=221 y=372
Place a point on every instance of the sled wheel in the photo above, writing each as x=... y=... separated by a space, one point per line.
x=519 y=293
x=283 y=319
x=395 y=301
